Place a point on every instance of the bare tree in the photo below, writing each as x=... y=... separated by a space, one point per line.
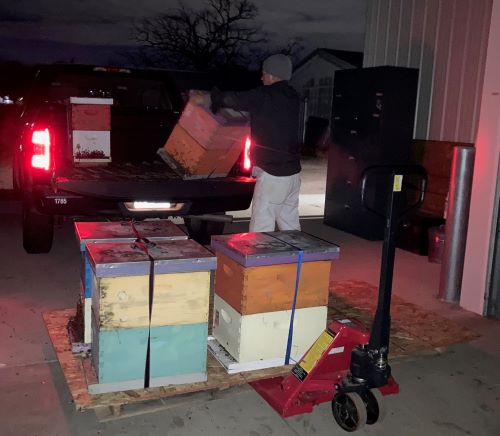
x=201 y=39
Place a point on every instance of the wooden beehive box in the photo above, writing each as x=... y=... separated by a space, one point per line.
x=122 y=231
x=123 y=276
x=94 y=116
x=263 y=336
x=204 y=144
x=256 y=272
x=178 y=355
x=121 y=281
x=90 y=129
x=214 y=131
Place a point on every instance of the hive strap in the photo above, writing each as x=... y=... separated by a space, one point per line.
x=294 y=303
x=144 y=244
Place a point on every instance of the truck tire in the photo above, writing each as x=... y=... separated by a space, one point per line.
x=38 y=229
x=201 y=230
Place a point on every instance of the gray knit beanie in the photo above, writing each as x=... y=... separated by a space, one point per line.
x=278 y=65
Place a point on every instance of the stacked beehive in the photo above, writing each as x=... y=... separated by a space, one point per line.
x=254 y=292
x=124 y=231
x=204 y=144
x=150 y=313
x=90 y=120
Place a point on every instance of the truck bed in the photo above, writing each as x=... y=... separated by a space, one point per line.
x=156 y=171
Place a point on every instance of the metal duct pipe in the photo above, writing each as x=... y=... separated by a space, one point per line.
x=457 y=220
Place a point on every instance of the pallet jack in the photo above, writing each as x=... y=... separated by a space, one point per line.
x=346 y=364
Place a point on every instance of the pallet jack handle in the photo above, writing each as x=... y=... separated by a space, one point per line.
x=394 y=195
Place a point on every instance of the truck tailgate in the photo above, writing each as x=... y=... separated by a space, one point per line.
x=153 y=183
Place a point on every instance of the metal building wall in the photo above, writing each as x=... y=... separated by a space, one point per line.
x=447 y=41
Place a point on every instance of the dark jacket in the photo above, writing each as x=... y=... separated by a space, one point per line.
x=274 y=111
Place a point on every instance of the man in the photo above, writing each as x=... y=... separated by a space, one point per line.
x=274 y=111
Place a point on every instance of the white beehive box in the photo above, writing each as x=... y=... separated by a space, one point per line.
x=90 y=127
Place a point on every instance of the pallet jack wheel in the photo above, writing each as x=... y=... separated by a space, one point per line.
x=375 y=406
x=349 y=410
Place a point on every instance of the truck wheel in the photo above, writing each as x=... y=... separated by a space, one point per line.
x=201 y=231
x=38 y=229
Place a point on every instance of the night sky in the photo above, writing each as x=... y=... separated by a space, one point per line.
x=95 y=31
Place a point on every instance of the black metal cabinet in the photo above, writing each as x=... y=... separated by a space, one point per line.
x=372 y=124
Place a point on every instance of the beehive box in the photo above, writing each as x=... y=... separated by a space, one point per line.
x=256 y=272
x=95 y=116
x=122 y=231
x=204 y=144
x=178 y=355
x=214 y=131
x=263 y=336
x=121 y=304
x=90 y=128
x=121 y=283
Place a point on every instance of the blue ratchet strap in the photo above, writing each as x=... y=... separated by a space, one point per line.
x=144 y=245
x=292 y=316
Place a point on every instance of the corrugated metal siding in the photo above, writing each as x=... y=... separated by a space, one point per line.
x=446 y=40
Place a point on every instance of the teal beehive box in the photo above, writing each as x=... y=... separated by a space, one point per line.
x=119 y=359
x=178 y=355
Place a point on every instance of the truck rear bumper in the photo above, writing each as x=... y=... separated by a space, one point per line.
x=108 y=198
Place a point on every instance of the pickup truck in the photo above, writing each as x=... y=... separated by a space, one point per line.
x=136 y=184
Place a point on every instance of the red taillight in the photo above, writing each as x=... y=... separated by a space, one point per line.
x=41 y=149
x=247 y=163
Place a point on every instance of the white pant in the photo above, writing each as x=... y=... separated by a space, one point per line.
x=275 y=201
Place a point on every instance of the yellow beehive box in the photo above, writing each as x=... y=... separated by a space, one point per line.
x=173 y=279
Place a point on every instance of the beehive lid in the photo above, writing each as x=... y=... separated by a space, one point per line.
x=122 y=231
x=116 y=259
x=257 y=249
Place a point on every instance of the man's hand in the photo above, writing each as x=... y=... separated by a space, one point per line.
x=200 y=98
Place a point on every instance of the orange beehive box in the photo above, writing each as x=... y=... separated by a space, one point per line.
x=204 y=144
x=214 y=131
x=270 y=288
x=189 y=159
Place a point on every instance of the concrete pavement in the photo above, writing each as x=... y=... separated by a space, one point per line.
x=453 y=392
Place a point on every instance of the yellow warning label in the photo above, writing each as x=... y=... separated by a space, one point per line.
x=398 y=183
x=318 y=348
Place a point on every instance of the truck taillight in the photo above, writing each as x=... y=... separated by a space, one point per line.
x=41 y=149
x=247 y=163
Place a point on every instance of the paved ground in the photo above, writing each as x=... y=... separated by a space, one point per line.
x=454 y=392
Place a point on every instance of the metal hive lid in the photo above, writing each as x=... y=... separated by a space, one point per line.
x=127 y=259
x=255 y=249
x=122 y=231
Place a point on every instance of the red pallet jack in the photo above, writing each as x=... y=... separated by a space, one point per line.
x=347 y=365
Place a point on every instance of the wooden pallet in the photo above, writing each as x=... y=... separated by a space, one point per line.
x=78 y=374
x=414 y=332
